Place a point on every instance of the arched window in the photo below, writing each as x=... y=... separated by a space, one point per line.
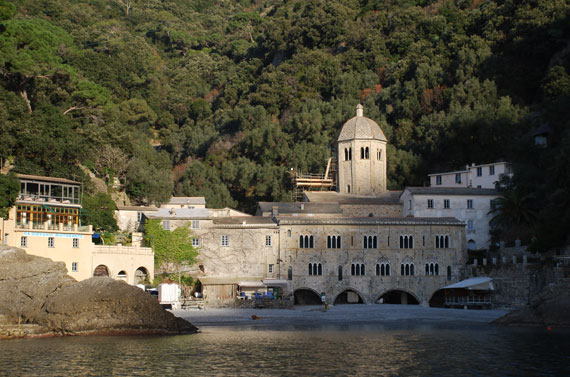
x=338 y=242
x=319 y=269
x=345 y=154
x=353 y=269
x=411 y=244
x=329 y=242
x=448 y=272
x=411 y=269
x=427 y=269
x=377 y=269
x=362 y=153
x=388 y=269
x=365 y=242
x=403 y=271
x=366 y=154
x=375 y=242
x=310 y=268
x=362 y=269
x=446 y=242
x=431 y=269
x=350 y=153
x=407 y=269
x=290 y=273
x=436 y=242
x=339 y=273
x=357 y=269
x=301 y=243
x=437 y=269
x=311 y=243
x=383 y=269
x=348 y=189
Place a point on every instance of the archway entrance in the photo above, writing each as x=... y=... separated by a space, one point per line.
x=348 y=297
x=101 y=270
x=398 y=297
x=438 y=299
x=141 y=275
x=122 y=275
x=305 y=296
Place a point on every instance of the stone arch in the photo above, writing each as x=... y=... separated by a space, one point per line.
x=471 y=245
x=306 y=296
x=122 y=275
x=437 y=299
x=101 y=270
x=345 y=297
x=398 y=296
x=141 y=275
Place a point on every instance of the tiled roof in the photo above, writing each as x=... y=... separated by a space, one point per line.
x=451 y=191
x=299 y=207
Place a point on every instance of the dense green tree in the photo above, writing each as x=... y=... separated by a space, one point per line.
x=171 y=248
x=99 y=211
x=9 y=190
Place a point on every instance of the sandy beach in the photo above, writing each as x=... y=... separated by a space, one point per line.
x=310 y=316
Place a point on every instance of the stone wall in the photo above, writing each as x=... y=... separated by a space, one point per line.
x=515 y=284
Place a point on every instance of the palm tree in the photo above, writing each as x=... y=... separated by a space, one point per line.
x=513 y=213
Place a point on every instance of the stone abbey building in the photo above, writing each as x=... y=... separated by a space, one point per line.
x=353 y=245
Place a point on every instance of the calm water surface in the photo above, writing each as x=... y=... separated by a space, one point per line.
x=362 y=350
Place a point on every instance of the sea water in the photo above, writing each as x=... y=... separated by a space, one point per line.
x=396 y=349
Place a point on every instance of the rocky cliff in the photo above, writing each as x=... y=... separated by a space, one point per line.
x=551 y=307
x=39 y=298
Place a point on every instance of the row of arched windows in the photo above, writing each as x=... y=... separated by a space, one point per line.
x=347 y=154
x=383 y=269
x=333 y=242
x=364 y=153
x=315 y=269
x=407 y=269
x=406 y=242
x=306 y=242
x=358 y=269
x=432 y=269
x=441 y=242
x=370 y=242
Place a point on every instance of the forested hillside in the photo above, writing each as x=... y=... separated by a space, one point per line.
x=223 y=98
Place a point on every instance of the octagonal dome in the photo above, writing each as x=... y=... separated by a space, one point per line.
x=360 y=127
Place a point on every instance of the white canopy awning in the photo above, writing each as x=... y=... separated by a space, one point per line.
x=275 y=282
x=251 y=284
x=474 y=284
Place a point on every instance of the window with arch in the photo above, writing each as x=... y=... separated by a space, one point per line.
x=407 y=269
x=366 y=153
x=362 y=153
x=383 y=269
x=370 y=242
x=406 y=242
x=346 y=154
x=333 y=242
x=432 y=269
x=306 y=241
x=358 y=269
x=315 y=269
x=442 y=242
x=378 y=154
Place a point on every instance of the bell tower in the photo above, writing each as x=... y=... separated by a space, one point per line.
x=361 y=147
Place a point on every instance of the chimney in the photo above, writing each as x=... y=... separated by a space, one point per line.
x=359 y=110
x=274 y=211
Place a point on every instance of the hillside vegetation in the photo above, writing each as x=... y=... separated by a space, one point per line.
x=223 y=98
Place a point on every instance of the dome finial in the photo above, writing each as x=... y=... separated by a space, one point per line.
x=359 y=110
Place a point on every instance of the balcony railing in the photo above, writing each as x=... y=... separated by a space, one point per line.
x=55 y=227
x=467 y=300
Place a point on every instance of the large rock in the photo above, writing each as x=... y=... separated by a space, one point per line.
x=551 y=307
x=38 y=291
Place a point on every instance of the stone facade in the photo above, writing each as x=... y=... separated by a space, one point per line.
x=336 y=275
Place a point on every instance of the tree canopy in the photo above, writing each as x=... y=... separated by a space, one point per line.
x=222 y=99
x=170 y=247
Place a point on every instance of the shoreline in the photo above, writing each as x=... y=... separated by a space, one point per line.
x=340 y=315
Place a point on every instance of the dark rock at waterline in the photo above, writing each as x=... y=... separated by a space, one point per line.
x=551 y=307
x=37 y=294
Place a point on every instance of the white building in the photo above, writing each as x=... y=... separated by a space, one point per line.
x=470 y=205
x=479 y=176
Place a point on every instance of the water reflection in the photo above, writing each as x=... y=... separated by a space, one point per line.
x=366 y=350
